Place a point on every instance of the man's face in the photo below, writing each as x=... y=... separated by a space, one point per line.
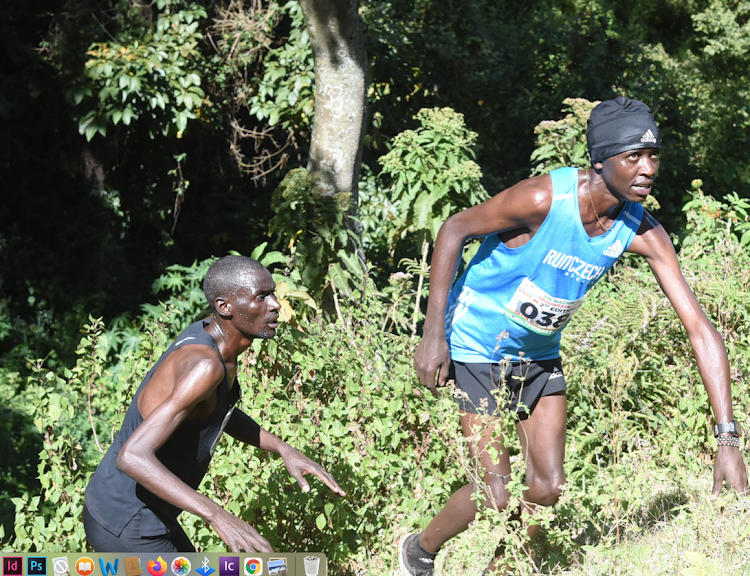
x=256 y=309
x=629 y=175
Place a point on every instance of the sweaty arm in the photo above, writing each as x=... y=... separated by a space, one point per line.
x=653 y=243
x=522 y=207
x=245 y=429
x=186 y=378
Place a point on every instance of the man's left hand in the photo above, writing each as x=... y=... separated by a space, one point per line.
x=729 y=466
x=298 y=465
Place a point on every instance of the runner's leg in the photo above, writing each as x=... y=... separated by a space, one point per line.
x=542 y=437
x=461 y=508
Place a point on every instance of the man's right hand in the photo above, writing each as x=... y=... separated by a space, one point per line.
x=238 y=534
x=432 y=359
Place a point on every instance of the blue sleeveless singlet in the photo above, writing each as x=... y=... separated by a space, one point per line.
x=513 y=302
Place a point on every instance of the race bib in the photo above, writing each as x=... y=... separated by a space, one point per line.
x=533 y=308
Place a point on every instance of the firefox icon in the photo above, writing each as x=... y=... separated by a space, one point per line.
x=157 y=568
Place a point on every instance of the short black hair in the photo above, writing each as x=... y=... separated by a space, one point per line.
x=227 y=275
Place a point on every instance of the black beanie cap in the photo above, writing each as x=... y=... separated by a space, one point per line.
x=619 y=125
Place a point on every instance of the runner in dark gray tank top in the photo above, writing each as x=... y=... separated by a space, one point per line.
x=157 y=461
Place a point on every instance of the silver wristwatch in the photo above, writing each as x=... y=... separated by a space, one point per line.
x=728 y=428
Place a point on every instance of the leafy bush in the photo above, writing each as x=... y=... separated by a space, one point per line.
x=344 y=392
x=432 y=174
x=315 y=231
x=340 y=391
x=284 y=93
x=152 y=71
x=563 y=142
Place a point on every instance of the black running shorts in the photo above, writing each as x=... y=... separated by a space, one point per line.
x=130 y=540
x=480 y=388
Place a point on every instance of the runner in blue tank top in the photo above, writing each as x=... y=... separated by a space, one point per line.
x=548 y=239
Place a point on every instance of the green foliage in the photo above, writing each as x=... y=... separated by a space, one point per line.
x=183 y=286
x=76 y=413
x=343 y=393
x=19 y=445
x=313 y=228
x=432 y=174
x=284 y=92
x=713 y=219
x=723 y=119
x=563 y=142
x=151 y=71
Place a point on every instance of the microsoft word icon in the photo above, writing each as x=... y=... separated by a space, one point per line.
x=108 y=568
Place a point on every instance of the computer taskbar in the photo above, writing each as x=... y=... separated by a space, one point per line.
x=165 y=564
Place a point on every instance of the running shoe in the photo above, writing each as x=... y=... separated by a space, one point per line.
x=413 y=559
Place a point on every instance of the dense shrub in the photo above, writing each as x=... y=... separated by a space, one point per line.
x=343 y=391
x=341 y=387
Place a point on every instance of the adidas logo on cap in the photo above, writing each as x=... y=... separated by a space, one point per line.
x=615 y=250
x=648 y=137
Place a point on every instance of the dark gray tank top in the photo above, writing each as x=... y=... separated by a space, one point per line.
x=113 y=497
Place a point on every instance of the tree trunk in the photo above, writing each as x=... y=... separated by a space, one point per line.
x=337 y=38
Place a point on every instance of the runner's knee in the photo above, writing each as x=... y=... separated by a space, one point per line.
x=546 y=491
x=496 y=492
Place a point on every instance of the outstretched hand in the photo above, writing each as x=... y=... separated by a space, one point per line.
x=238 y=534
x=729 y=466
x=298 y=465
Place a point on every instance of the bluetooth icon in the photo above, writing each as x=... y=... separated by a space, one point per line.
x=205 y=569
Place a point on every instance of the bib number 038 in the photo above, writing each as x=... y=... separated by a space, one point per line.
x=538 y=311
x=542 y=318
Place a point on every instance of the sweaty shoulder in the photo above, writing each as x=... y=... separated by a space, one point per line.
x=652 y=241
x=192 y=373
x=197 y=357
x=522 y=207
x=529 y=201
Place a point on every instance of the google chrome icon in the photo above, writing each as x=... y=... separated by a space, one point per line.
x=253 y=566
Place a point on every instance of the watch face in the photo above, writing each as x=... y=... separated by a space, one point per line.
x=728 y=427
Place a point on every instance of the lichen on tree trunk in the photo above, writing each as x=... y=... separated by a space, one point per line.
x=337 y=38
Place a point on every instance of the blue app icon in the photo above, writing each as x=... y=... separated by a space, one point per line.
x=36 y=565
x=205 y=569
x=108 y=569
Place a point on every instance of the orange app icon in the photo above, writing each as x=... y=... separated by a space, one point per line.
x=157 y=568
x=85 y=566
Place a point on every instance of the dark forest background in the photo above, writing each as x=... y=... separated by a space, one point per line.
x=138 y=139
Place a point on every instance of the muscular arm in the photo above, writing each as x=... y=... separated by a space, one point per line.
x=185 y=379
x=245 y=429
x=521 y=207
x=653 y=243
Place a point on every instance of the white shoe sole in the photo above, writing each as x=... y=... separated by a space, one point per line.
x=402 y=566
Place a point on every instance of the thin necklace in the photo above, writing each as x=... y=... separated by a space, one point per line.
x=588 y=190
